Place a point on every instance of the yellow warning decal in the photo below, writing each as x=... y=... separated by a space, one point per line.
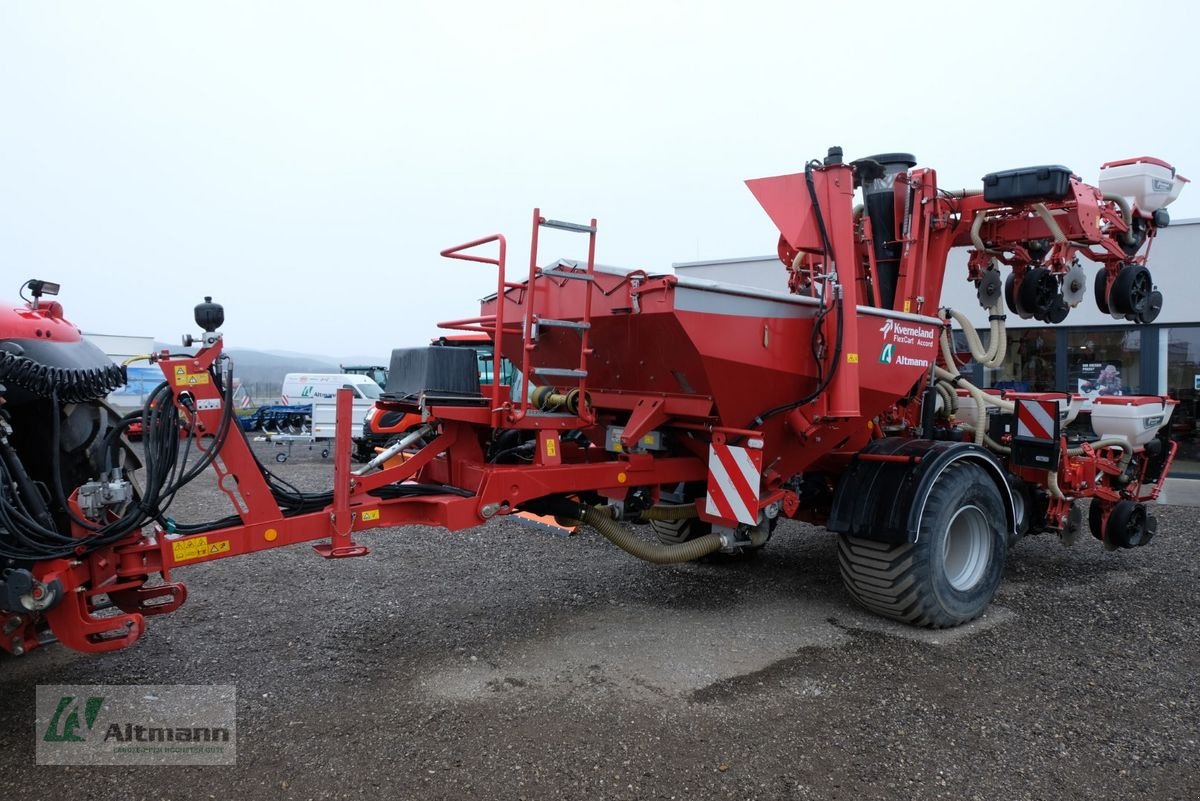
x=908 y=305
x=196 y=547
x=369 y=515
x=183 y=378
x=550 y=448
x=851 y=358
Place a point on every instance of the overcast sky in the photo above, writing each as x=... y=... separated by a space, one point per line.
x=304 y=163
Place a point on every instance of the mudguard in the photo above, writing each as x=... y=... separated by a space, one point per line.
x=883 y=499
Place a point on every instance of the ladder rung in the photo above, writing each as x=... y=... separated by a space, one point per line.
x=570 y=276
x=546 y=323
x=567 y=226
x=559 y=372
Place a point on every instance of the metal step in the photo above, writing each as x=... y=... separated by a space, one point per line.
x=567 y=226
x=559 y=372
x=569 y=276
x=548 y=323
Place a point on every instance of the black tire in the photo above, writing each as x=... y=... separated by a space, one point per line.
x=1037 y=292
x=1101 y=291
x=1023 y=508
x=677 y=532
x=1096 y=519
x=1127 y=525
x=925 y=583
x=1131 y=290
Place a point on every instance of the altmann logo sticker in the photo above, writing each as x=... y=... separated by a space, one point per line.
x=889 y=350
x=175 y=724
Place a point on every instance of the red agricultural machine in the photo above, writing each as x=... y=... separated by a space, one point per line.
x=706 y=410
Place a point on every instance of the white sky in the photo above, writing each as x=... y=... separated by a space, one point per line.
x=305 y=162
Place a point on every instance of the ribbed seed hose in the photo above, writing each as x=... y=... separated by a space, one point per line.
x=657 y=553
x=681 y=511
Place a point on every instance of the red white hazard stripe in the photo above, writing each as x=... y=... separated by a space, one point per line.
x=1036 y=419
x=733 y=483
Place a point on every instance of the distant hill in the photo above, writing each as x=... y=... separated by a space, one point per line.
x=262 y=372
x=256 y=366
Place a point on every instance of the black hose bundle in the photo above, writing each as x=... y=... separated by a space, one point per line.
x=25 y=535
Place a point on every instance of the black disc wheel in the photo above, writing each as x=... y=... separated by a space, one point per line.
x=1038 y=292
x=1131 y=290
x=1010 y=297
x=1101 y=291
x=1128 y=525
x=950 y=574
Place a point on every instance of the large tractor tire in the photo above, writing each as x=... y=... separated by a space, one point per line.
x=677 y=532
x=949 y=575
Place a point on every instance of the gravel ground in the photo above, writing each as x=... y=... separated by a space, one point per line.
x=508 y=663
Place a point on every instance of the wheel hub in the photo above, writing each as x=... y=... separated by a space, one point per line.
x=967 y=549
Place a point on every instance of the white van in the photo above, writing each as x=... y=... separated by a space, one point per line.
x=320 y=389
x=309 y=387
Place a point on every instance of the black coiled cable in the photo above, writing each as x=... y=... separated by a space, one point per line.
x=71 y=384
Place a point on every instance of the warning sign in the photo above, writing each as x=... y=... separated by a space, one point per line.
x=183 y=378
x=196 y=547
x=370 y=514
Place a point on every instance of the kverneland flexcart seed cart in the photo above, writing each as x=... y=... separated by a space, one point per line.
x=707 y=410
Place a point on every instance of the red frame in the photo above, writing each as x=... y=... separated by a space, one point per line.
x=823 y=435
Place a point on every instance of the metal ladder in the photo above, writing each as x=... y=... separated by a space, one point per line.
x=534 y=322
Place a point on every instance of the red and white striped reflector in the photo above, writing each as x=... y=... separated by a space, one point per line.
x=1037 y=419
x=733 y=483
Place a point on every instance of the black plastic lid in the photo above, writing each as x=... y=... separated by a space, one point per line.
x=907 y=159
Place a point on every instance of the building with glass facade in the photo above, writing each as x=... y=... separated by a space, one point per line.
x=1089 y=352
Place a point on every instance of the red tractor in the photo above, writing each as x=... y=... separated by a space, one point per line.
x=708 y=410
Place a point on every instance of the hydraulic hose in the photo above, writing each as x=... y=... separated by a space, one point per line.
x=657 y=553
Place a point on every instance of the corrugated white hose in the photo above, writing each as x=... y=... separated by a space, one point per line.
x=981 y=398
x=948 y=396
x=997 y=347
x=1052 y=485
x=982 y=438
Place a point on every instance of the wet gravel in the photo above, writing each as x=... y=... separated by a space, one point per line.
x=505 y=662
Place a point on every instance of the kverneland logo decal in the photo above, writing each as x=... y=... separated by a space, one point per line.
x=897 y=333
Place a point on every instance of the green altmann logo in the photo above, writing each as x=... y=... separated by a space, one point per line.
x=888 y=350
x=67 y=718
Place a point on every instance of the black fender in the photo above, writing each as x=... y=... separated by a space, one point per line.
x=883 y=500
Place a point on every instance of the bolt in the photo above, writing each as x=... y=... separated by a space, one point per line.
x=488 y=510
x=18 y=647
x=11 y=624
